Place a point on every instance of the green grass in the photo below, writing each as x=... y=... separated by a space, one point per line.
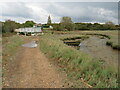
x=77 y=64
x=0 y=61
x=113 y=45
x=10 y=46
x=8 y=34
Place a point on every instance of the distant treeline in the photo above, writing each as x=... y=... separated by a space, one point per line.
x=88 y=26
x=65 y=24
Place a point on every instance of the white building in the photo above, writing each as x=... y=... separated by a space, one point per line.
x=32 y=31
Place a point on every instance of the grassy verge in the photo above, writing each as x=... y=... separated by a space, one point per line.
x=0 y=61
x=10 y=46
x=77 y=64
x=8 y=34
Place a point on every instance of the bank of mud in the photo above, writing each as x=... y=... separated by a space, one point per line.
x=96 y=47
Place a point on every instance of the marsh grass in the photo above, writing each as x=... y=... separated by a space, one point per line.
x=109 y=43
x=74 y=41
x=107 y=36
x=113 y=45
x=78 y=64
x=112 y=36
x=116 y=47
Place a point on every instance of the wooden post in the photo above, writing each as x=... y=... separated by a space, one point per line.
x=17 y=33
x=25 y=33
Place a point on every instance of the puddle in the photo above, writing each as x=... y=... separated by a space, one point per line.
x=32 y=44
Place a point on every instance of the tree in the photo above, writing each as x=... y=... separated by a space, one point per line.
x=9 y=26
x=109 y=26
x=28 y=24
x=109 y=23
x=66 y=23
x=56 y=26
x=49 y=20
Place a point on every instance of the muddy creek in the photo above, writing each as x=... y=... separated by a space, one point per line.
x=97 y=48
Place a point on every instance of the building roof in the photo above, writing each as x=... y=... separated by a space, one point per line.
x=37 y=25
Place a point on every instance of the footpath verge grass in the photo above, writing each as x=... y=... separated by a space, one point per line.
x=10 y=45
x=77 y=64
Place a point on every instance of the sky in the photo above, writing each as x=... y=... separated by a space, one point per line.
x=94 y=11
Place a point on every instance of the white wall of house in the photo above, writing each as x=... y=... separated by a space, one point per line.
x=32 y=30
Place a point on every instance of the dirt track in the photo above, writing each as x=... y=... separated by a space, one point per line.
x=29 y=68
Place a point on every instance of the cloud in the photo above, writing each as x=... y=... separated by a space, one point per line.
x=59 y=1
x=41 y=11
x=102 y=14
x=78 y=11
x=85 y=12
x=15 y=10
